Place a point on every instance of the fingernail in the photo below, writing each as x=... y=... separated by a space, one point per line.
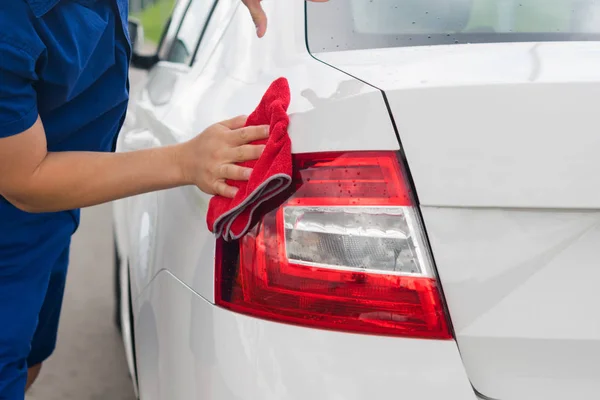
x=247 y=173
x=266 y=130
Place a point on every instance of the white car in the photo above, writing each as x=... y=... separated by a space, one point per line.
x=442 y=238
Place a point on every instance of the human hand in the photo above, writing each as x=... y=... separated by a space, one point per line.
x=210 y=158
x=260 y=18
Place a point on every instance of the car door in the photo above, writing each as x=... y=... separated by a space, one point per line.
x=145 y=127
x=182 y=211
x=156 y=222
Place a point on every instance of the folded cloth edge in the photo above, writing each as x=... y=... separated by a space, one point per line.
x=222 y=225
x=283 y=182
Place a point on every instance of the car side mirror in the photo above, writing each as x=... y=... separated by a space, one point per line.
x=136 y=36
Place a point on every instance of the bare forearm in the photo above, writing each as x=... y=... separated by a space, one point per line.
x=37 y=181
x=69 y=180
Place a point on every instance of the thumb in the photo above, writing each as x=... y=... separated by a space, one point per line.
x=258 y=16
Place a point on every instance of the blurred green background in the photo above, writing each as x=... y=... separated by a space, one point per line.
x=153 y=14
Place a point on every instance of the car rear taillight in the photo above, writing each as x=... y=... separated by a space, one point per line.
x=345 y=251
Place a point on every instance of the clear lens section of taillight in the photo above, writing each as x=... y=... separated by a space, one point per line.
x=377 y=239
x=345 y=251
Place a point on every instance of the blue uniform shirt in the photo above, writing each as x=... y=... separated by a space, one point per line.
x=66 y=61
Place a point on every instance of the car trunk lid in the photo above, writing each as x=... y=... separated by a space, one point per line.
x=503 y=146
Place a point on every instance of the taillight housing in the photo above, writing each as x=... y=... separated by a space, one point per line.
x=344 y=250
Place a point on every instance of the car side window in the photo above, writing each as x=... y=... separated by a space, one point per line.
x=159 y=20
x=190 y=32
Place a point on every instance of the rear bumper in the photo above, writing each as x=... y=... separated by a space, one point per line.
x=189 y=348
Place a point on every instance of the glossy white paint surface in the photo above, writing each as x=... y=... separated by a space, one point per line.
x=329 y=111
x=502 y=144
x=204 y=352
x=521 y=286
x=515 y=124
x=186 y=347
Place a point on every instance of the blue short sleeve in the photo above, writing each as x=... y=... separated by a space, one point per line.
x=18 y=99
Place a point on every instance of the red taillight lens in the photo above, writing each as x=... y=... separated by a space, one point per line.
x=345 y=252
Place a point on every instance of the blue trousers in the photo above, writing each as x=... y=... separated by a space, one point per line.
x=33 y=273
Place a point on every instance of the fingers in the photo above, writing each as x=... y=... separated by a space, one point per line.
x=249 y=134
x=241 y=134
x=235 y=123
x=258 y=16
x=246 y=152
x=234 y=172
x=223 y=189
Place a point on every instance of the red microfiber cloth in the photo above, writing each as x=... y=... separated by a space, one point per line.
x=272 y=172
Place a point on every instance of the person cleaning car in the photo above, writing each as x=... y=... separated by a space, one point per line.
x=63 y=97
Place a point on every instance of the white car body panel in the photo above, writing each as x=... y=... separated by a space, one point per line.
x=205 y=352
x=505 y=177
x=329 y=111
x=521 y=287
x=171 y=252
x=501 y=146
x=512 y=120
